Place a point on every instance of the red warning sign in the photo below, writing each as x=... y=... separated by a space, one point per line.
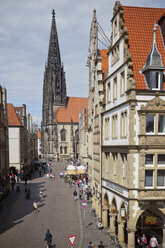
x=72 y=239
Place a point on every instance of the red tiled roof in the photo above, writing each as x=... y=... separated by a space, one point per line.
x=13 y=119
x=71 y=112
x=39 y=134
x=140 y=23
x=104 y=60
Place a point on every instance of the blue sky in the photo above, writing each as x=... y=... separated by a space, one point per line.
x=24 y=38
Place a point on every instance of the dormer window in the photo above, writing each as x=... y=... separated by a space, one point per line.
x=153 y=68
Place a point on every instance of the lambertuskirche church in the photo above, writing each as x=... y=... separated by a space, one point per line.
x=60 y=114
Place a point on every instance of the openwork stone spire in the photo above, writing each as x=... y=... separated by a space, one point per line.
x=54 y=60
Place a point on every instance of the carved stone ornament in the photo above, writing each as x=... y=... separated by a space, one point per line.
x=154 y=105
x=152 y=140
x=144 y=194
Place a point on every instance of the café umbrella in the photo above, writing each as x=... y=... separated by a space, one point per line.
x=71 y=170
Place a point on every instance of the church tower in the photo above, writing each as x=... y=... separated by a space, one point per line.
x=54 y=92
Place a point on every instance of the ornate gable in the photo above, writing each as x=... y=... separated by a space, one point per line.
x=156 y=104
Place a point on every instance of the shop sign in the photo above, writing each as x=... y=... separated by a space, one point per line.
x=114 y=187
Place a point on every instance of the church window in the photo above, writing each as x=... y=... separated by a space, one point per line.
x=63 y=135
x=60 y=149
x=77 y=134
x=150 y=123
x=65 y=150
x=161 y=124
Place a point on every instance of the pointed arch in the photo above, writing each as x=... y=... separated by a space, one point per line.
x=63 y=134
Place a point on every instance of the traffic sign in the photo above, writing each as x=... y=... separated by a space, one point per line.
x=84 y=204
x=72 y=239
x=84 y=201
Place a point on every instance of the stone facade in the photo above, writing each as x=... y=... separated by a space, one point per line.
x=22 y=139
x=133 y=159
x=4 y=146
x=83 y=137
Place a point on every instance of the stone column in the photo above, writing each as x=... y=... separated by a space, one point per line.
x=163 y=241
x=121 y=231
x=112 y=224
x=104 y=217
x=131 y=238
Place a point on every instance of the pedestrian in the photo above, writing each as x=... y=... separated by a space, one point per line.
x=143 y=241
x=80 y=194
x=75 y=194
x=48 y=238
x=101 y=245
x=153 y=242
x=93 y=245
x=41 y=196
x=90 y=244
x=39 y=171
x=35 y=207
x=25 y=180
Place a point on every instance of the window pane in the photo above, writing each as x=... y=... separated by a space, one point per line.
x=161 y=158
x=161 y=128
x=149 y=178
x=149 y=159
x=150 y=123
x=160 y=178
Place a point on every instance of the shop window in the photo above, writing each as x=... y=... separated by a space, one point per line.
x=148 y=178
x=150 y=123
x=161 y=178
x=149 y=159
x=161 y=124
x=161 y=159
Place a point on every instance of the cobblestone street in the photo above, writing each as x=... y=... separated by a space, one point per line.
x=58 y=212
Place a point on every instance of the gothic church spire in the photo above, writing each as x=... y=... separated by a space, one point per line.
x=54 y=60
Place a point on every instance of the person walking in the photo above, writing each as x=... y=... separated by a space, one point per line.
x=35 y=207
x=101 y=245
x=48 y=238
x=153 y=242
x=143 y=241
x=41 y=196
x=75 y=194
x=90 y=244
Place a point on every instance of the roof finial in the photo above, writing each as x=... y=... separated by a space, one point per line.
x=53 y=13
x=154 y=41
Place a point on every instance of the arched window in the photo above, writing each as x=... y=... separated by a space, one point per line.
x=77 y=134
x=65 y=150
x=60 y=149
x=63 y=135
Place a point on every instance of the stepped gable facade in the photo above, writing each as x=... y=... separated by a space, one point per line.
x=133 y=131
x=60 y=114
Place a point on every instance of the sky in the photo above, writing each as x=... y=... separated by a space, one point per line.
x=24 y=39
